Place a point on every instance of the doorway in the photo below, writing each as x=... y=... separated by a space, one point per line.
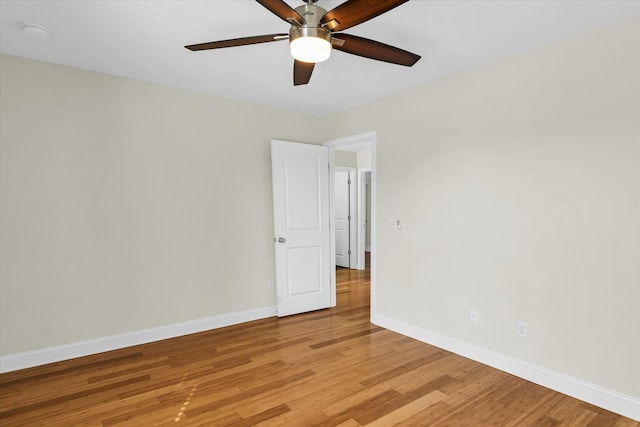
x=359 y=152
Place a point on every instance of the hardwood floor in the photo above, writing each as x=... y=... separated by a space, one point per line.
x=325 y=368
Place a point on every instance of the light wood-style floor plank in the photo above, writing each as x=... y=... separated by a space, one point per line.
x=326 y=368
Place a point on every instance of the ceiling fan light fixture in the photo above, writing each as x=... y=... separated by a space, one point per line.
x=311 y=34
x=310 y=44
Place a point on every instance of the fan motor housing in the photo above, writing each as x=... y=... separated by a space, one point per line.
x=320 y=33
x=312 y=14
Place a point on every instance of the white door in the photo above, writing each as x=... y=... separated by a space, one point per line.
x=341 y=218
x=301 y=224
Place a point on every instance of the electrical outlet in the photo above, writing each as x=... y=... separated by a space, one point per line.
x=473 y=315
x=395 y=223
x=522 y=328
x=270 y=285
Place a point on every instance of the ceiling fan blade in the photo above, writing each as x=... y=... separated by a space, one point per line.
x=375 y=50
x=302 y=72
x=354 y=12
x=282 y=11
x=243 y=41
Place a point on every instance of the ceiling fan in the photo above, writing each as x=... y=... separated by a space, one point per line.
x=314 y=32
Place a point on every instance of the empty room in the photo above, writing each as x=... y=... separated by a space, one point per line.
x=320 y=213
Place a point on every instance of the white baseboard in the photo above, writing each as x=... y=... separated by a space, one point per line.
x=613 y=401
x=28 y=359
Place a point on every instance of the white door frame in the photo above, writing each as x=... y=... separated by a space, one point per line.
x=362 y=213
x=365 y=141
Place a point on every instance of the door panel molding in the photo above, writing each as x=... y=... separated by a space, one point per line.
x=302 y=227
x=345 y=216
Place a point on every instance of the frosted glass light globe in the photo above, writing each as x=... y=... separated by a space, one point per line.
x=310 y=49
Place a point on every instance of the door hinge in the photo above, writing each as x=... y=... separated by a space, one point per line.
x=349 y=217
x=349 y=182
x=349 y=251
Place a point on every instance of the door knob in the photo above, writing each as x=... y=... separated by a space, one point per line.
x=281 y=240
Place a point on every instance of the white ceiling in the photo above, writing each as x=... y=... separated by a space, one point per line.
x=144 y=40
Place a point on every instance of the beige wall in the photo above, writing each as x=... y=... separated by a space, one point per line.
x=352 y=159
x=347 y=159
x=519 y=184
x=127 y=205
x=364 y=159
